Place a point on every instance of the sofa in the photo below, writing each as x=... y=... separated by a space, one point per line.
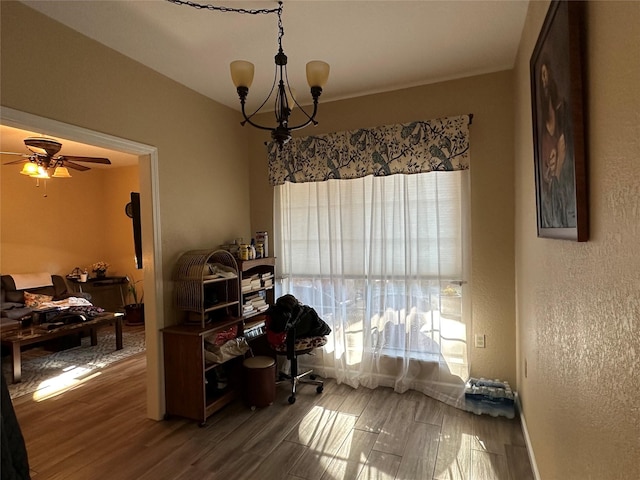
x=14 y=309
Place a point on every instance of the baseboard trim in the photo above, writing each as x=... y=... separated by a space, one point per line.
x=532 y=457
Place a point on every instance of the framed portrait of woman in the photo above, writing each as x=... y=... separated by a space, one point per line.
x=558 y=125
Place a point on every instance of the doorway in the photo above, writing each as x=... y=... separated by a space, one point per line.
x=151 y=251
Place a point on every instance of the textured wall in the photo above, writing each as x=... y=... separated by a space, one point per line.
x=489 y=98
x=578 y=304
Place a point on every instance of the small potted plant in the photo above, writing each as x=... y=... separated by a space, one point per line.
x=134 y=311
x=100 y=269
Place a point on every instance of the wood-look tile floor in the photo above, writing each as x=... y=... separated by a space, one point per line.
x=99 y=431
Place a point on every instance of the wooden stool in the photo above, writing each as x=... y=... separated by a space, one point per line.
x=260 y=381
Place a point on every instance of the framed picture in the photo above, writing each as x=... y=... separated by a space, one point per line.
x=558 y=126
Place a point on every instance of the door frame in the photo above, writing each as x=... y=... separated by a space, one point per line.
x=151 y=232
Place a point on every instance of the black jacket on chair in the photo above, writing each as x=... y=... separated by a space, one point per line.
x=289 y=313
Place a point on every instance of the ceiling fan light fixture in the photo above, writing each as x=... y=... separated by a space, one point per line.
x=41 y=173
x=61 y=172
x=29 y=169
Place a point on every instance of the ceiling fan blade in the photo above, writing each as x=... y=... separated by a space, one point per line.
x=75 y=166
x=14 y=153
x=74 y=158
x=22 y=160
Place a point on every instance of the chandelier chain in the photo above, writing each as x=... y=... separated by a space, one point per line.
x=217 y=8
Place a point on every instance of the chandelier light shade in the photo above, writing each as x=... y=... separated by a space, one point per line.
x=242 y=73
x=317 y=73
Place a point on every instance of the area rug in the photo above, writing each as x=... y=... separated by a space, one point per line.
x=46 y=373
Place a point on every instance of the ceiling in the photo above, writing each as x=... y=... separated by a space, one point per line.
x=372 y=46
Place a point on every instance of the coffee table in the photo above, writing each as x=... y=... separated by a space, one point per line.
x=17 y=338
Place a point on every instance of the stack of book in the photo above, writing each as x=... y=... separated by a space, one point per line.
x=250 y=283
x=248 y=310
x=267 y=280
x=254 y=304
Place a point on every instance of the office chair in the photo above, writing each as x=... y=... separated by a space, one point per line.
x=294 y=347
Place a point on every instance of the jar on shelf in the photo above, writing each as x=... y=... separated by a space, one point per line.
x=263 y=238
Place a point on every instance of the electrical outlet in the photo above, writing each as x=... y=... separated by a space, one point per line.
x=480 y=341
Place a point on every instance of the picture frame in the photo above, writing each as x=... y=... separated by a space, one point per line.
x=558 y=124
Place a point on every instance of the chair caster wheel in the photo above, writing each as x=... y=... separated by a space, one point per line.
x=319 y=388
x=313 y=377
x=292 y=399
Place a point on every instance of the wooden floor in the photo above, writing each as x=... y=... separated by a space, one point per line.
x=99 y=431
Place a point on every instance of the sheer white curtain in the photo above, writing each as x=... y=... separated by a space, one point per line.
x=384 y=261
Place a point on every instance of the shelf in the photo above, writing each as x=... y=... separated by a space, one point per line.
x=256 y=262
x=215 y=279
x=218 y=306
x=187 y=393
x=215 y=403
x=256 y=290
x=255 y=314
x=200 y=330
x=211 y=366
x=197 y=288
x=254 y=323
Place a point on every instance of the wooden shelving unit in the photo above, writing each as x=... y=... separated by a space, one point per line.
x=261 y=268
x=208 y=292
x=254 y=322
x=189 y=392
x=202 y=291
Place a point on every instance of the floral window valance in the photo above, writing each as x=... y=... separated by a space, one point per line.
x=416 y=147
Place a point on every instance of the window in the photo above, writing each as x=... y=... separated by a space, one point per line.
x=382 y=260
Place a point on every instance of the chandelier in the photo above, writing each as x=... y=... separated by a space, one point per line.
x=284 y=99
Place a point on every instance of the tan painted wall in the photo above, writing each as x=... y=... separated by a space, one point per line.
x=80 y=221
x=202 y=150
x=578 y=304
x=118 y=227
x=489 y=98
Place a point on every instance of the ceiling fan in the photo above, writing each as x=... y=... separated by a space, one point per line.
x=44 y=156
